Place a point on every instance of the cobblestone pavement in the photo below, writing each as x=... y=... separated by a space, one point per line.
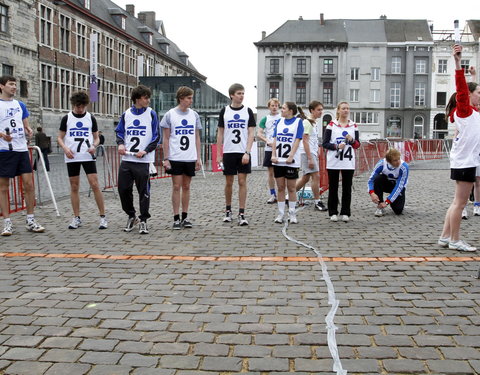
x=220 y=299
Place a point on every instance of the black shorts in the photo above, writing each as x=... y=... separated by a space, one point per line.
x=73 y=168
x=288 y=172
x=13 y=163
x=179 y=168
x=463 y=174
x=232 y=164
x=267 y=160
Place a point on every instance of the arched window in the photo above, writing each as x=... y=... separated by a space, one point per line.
x=440 y=126
x=394 y=127
x=418 y=127
x=325 y=121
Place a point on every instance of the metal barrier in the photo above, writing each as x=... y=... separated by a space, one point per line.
x=16 y=196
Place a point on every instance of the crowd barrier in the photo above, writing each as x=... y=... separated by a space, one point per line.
x=367 y=155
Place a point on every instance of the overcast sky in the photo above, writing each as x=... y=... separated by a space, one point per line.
x=218 y=35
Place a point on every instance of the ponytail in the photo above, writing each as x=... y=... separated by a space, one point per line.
x=301 y=114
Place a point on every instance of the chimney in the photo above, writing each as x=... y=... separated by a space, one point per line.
x=264 y=34
x=147 y=18
x=300 y=18
x=383 y=17
x=130 y=8
x=322 y=20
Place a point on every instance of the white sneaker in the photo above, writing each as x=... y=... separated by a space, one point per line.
x=292 y=218
x=142 y=227
x=461 y=245
x=476 y=210
x=76 y=223
x=334 y=218
x=228 y=217
x=443 y=241
x=345 y=218
x=464 y=214
x=279 y=219
x=379 y=212
x=7 y=229
x=33 y=226
x=242 y=221
x=272 y=199
x=103 y=223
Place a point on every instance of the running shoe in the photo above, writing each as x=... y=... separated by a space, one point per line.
x=103 y=223
x=476 y=210
x=242 y=221
x=142 y=227
x=443 y=241
x=187 y=223
x=177 y=225
x=272 y=200
x=320 y=206
x=461 y=245
x=345 y=218
x=131 y=222
x=379 y=212
x=7 y=229
x=228 y=217
x=464 y=214
x=334 y=218
x=75 y=223
x=292 y=218
x=279 y=219
x=33 y=226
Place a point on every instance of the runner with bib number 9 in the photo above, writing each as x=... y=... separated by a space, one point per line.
x=341 y=138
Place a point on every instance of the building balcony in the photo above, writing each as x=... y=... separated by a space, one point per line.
x=274 y=76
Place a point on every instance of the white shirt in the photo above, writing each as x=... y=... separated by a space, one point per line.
x=341 y=159
x=12 y=113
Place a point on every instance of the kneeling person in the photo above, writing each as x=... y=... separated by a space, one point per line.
x=181 y=152
x=390 y=175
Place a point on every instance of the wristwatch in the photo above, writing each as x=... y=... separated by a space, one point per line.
x=247 y=152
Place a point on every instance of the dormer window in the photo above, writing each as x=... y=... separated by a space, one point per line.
x=86 y=3
x=124 y=23
x=150 y=39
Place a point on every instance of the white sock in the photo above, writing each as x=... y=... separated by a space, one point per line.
x=30 y=217
x=317 y=200
x=8 y=220
x=281 y=208
x=291 y=207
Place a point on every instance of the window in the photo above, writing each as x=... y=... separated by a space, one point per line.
x=420 y=89
x=328 y=66
x=394 y=127
x=65 y=88
x=441 y=99
x=418 y=127
x=354 y=74
x=132 y=62
x=23 y=89
x=301 y=92
x=7 y=70
x=420 y=66
x=328 y=93
x=109 y=44
x=109 y=98
x=274 y=90
x=86 y=3
x=375 y=96
x=150 y=39
x=395 y=95
x=301 y=66
x=47 y=85
x=354 y=95
x=375 y=74
x=46 y=23
x=123 y=23
x=3 y=18
x=65 y=33
x=81 y=40
x=396 y=65
x=465 y=65
x=368 y=118
x=442 y=66
x=274 y=66
x=121 y=57
x=151 y=66
x=81 y=81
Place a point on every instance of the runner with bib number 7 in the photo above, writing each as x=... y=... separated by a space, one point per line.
x=341 y=138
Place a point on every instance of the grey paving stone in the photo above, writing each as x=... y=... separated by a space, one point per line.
x=25 y=341
x=61 y=355
x=27 y=367
x=419 y=353
x=407 y=366
x=377 y=352
x=101 y=358
x=110 y=370
x=448 y=366
x=134 y=347
x=252 y=351
x=211 y=350
x=268 y=364
x=179 y=362
x=22 y=354
x=138 y=360
x=98 y=344
x=68 y=368
x=230 y=364
x=460 y=353
x=152 y=371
